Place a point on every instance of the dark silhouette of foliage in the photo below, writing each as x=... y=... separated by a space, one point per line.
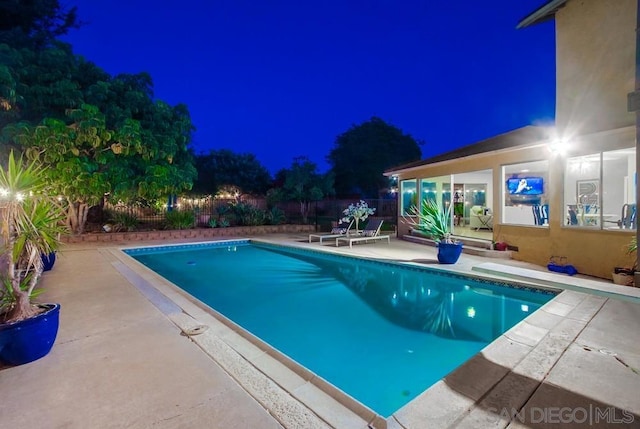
x=98 y=134
x=362 y=154
x=224 y=168
x=35 y=23
x=301 y=183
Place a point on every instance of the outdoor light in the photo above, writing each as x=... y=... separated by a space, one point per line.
x=558 y=147
x=524 y=308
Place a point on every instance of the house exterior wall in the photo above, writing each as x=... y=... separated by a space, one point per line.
x=595 y=70
x=592 y=252
x=595 y=65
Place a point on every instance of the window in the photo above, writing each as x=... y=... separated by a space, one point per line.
x=600 y=190
x=619 y=181
x=582 y=191
x=525 y=200
x=408 y=189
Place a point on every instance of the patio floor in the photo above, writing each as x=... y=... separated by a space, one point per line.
x=127 y=355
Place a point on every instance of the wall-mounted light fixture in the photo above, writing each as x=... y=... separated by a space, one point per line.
x=558 y=147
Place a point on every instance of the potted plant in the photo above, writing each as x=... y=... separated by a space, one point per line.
x=30 y=227
x=359 y=211
x=625 y=275
x=435 y=221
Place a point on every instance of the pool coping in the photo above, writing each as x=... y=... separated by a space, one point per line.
x=547 y=332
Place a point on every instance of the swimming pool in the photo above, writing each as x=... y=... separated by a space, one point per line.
x=380 y=331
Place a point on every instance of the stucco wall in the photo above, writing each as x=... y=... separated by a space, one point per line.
x=595 y=65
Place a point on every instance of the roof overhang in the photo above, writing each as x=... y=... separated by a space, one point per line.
x=516 y=139
x=545 y=12
x=406 y=170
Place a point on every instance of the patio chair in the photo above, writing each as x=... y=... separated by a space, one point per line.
x=343 y=229
x=573 y=216
x=370 y=233
x=540 y=214
x=628 y=218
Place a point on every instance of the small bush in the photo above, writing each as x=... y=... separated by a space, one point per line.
x=213 y=222
x=122 y=221
x=223 y=209
x=247 y=214
x=179 y=220
x=276 y=216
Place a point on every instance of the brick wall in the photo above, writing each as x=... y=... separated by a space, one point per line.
x=244 y=231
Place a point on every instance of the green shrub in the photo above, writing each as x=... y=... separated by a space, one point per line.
x=247 y=214
x=179 y=219
x=122 y=221
x=276 y=216
x=223 y=209
x=213 y=222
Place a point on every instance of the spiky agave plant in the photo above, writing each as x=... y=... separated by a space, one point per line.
x=431 y=219
x=30 y=226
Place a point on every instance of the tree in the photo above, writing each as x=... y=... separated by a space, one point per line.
x=99 y=134
x=302 y=183
x=362 y=154
x=35 y=23
x=85 y=161
x=29 y=227
x=223 y=167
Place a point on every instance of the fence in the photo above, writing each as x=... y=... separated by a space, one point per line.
x=322 y=213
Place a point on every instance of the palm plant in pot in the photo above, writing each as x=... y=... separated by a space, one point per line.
x=626 y=275
x=435 y=221
x=30 y=227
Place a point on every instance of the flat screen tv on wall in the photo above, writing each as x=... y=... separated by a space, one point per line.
x=525 y=190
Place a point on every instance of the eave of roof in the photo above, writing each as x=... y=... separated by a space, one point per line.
x=520 y=137
x=543 y=13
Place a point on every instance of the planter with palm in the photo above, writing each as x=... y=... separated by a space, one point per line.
x=32 y=224
x=626 y=275
x=435 y=221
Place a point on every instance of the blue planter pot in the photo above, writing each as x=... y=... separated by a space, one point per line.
x=448 y=253
x=48 y=261
x=28 y=340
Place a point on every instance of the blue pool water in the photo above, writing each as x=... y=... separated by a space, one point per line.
x=382 y=332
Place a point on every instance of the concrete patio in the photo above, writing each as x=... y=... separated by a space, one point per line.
x=132 y=351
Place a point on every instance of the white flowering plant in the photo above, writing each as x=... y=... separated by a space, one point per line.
x=359 y=211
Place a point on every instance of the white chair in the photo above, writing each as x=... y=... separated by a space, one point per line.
x=370 y=232
x=341 y=230
x=480 y=218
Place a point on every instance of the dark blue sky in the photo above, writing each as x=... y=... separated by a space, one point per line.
x=282 y=79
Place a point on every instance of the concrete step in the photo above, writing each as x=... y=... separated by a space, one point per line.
x=470 y=246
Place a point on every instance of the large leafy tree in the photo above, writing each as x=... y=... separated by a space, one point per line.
x=362 y=154
x=100 y=134
x=220 y=168
x=302 y=183
x=81 y=157
x=41 y=83
x=86 y=161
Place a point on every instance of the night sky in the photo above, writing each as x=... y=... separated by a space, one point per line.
x=282 y=79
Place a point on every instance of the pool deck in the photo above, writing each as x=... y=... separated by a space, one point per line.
x=134 y=352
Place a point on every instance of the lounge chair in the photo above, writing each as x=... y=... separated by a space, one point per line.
x=370 y=233
x=343 y=229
